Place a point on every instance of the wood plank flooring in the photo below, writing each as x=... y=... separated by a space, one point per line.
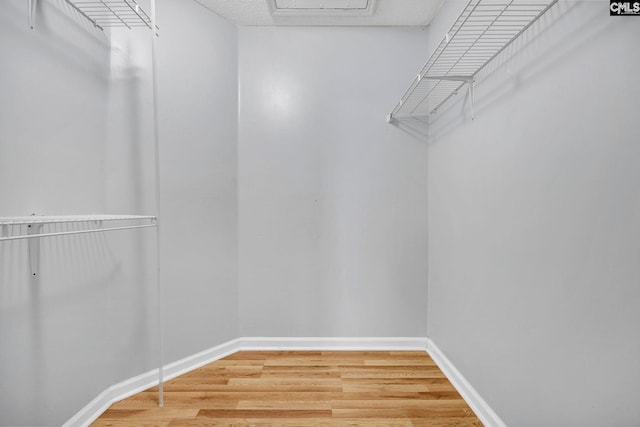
x=302 y=388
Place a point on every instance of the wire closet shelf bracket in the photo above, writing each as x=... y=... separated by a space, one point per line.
x=480 y=33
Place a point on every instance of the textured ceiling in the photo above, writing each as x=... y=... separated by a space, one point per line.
x=385 y=13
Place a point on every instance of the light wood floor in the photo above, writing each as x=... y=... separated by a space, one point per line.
x=302 y=388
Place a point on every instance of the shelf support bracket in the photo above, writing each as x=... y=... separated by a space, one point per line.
x=469 y=80
x=471 y=84
x=34 y=248
x=32 y=12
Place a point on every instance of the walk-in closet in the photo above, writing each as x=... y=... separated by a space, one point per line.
x=319 y=213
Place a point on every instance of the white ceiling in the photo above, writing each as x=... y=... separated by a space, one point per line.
x=381 y=13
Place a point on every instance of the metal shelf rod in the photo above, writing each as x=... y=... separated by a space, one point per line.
x=42 y=219
x=68 y=233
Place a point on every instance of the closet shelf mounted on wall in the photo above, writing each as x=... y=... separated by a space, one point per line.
x=106 y=13
x=86 y=224
x=481 y=32
x=35 y=222
x=112 y=13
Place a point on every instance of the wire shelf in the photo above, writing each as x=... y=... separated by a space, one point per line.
x=483 y=30
x=35 y=223
x=57 y=219
x=112 y=13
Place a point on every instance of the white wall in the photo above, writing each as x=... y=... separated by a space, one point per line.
x=75 y=137
x=533 y=207
x=535 y=223
x=67 y=333
x=197 y=84
x=198 y=123
x=332 y=200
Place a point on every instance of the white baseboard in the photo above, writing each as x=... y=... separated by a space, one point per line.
x=116 y=392
x=134 y=385
x=482 y=410
x=334 y=343
x=198 y=360
x=91 y=411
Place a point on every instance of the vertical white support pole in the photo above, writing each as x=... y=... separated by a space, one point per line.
x=156 y=139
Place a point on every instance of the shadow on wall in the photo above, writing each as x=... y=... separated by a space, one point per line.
x=84 y=320
x=130 y=179
x=550 y=40
x=68 y=47
x=416 y=127
x=56 y=327
x=75 y=261
x=49 y=310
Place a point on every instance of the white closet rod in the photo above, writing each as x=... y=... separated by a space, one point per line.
x=67 y=233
